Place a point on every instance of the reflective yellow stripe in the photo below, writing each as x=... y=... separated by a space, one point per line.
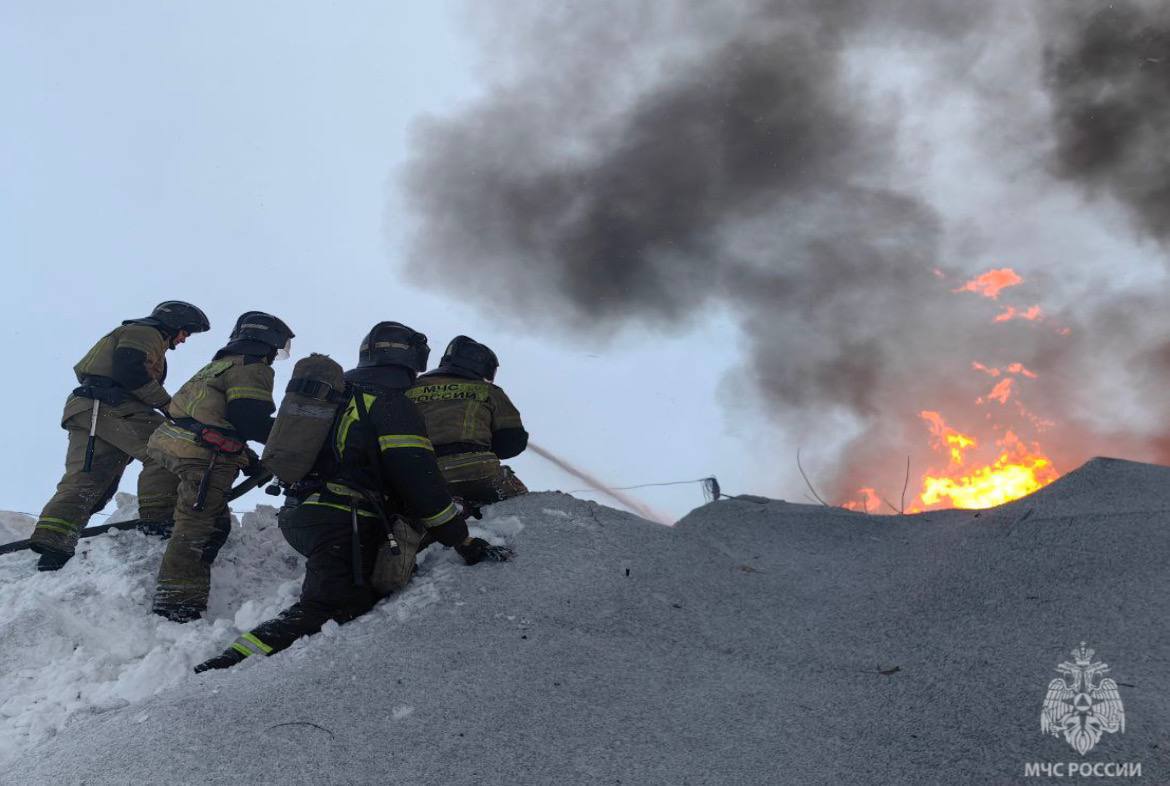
x=251 y=639
x=58 y=525
x=388 y=441
x=461 y=460
x=260 y=394
x=348 y=418
x=440 y=518
x=240 y=648
x=315 y=499
x=178 y=433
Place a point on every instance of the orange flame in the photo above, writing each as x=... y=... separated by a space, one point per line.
x=991 y=283
x=870 y=501
x=1018 y=471
x=1020 y=368
x=947 y=438
x=1007 y=467
x=1002 y=391
x=1032 y=314
x=1014 y=368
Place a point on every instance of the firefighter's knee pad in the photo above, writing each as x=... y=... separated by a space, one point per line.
x=222 y=528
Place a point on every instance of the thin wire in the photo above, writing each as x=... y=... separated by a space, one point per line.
x=35 y=516
x=641 y=486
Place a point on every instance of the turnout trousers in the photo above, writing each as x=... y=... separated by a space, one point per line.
x=120 y=438
x=324 y=536
x=184 y=578
x=479 y=478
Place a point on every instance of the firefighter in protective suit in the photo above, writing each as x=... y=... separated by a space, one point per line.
x=113 y=411
x=226 y=404
x=472 y=423
x=376 y=462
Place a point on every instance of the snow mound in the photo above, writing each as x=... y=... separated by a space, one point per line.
x=15 y=526
x=80 y=642
x=752 y=643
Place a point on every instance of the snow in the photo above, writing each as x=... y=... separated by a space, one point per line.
x=81 y=642
x=755 y=642
x=15 y=526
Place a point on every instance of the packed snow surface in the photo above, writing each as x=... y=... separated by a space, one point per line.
x=752 y=643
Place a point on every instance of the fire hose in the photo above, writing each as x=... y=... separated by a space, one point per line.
x=89 y=532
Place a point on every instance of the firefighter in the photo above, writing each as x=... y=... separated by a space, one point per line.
x=109 y=419
x=225 y=405
x=376 y=462
x=472 y=423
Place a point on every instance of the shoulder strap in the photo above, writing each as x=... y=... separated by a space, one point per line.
x=318 y=389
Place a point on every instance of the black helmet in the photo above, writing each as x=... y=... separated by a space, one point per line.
x=262 y=327
x=175 y=315
x=470 y=355
x=394 y=344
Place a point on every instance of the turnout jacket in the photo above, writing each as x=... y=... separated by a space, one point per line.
x=407 y=474
x=232 y=394
x=466 y=414
x=128 y=366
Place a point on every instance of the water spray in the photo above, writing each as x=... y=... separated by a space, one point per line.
x=593 y=483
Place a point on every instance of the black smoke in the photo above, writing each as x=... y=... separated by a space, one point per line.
x=649 y=164
x=1107 y=71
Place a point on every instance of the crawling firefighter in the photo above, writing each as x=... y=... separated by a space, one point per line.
x=109 y=419
x=373 y=464
x=226 y=404
x=472 y=423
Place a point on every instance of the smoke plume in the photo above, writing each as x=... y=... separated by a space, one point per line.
x=1108 y=72
x=647 y=163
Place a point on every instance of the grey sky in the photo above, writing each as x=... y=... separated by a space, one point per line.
x=241 y=156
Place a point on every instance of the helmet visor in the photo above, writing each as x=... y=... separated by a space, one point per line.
x=284 y=352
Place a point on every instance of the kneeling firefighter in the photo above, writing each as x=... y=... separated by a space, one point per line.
x=226 y=404
x=109 y=418
x=372 y=463
x=472 y=423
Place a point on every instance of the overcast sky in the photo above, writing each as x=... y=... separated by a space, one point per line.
x=243 y=156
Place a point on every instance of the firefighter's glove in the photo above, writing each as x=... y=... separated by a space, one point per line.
x=476 y=550
x=254 y=467
x=225 y=661
x=469 y=511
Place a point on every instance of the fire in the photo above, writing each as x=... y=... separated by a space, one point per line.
x=1032 y=314
x=1002 y=391
x=977 y=475
x=1019 y=470
x=1014 y=368
x=991 y=283
x=998 y=466
x=869 y=501
x=947 y=438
